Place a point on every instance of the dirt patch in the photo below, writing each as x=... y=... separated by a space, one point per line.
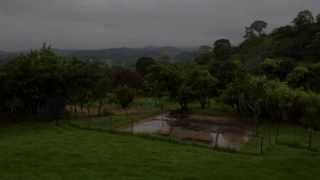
x=189 y=134
x=223 y=121
x=130 y=111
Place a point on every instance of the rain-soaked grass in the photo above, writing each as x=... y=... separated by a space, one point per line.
x=33 y=151
x=36 y=151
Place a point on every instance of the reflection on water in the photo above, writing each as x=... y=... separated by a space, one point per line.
x=165 y=125
x=228 y=140
x=153 y=126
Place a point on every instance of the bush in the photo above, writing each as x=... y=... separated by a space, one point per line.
x=125 y=96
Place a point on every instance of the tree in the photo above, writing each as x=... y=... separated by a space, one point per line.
x=318 y=18
x=303 y=18
x=283 y=32
x=270 y=67
x=125 y=96
x=314 y=77
x=156 y=80
x=259 y=27
x=222 y=49
x=164 y=58
x=159 y=80
x=256 y=29
x=125 y=77
x=43 y=84
x=204 y=55
x=173 y=80
x=183 y=95
x=37 y=81
x=246 y=94
x=226 y=72
x=102 y=86
x=203 y=85
x=279 y=99
x=314 y=46
x=249 y=33
x=143 y=65
x=299 y=77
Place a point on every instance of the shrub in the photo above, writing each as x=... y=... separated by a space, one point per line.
x=124 y=96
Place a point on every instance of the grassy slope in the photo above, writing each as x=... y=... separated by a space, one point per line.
x=42 y=151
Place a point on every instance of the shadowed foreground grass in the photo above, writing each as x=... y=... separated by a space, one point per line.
x=42 y=151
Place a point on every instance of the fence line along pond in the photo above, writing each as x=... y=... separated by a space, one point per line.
x=211 y=130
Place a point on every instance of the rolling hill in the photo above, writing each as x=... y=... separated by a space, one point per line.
x=120 y=56
x=128 y=56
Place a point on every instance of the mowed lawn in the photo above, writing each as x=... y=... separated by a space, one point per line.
x=38 y=151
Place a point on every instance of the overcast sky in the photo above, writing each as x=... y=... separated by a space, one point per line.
x=93 y=24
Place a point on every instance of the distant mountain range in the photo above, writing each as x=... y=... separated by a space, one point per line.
x=3 y=56
x=128 y=56
x=3 y=53
x=123 y=56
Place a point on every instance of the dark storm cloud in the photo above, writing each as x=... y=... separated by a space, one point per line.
x=113 y=23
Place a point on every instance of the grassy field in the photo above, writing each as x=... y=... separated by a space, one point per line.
x=42 y=151
x=35 y=150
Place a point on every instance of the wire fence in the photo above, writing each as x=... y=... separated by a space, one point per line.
x=258 y=141
x=298 y=137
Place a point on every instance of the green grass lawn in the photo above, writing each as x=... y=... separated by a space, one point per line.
x=42 y=151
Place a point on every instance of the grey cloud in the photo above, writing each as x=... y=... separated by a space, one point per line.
x=113 y=23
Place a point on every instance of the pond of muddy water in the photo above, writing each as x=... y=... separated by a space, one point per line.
x=216 y=135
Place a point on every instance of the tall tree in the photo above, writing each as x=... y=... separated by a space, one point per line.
x=318 y=18
x=303 y=18
x=125 y=77
x=222 y=49
x=204 y=55
x=143 y=65
x=299 y=77
x=259 y=27
x=203 y=85
x=249 y=33
x=125 y=96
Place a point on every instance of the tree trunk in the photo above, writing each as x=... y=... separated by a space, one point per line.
x=75 y=108
x=88 y=110
x=183 y=107
x=81 y=108
x=203 y=105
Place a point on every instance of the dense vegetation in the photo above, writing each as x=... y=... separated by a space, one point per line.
x=268 y=76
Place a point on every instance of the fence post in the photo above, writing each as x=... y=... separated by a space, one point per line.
x=131 y=126
x=88 y=124
x=310 y=139
x=277 y=134
x=217 y=140
x=270 y=136
x=131 y=120
x=111 y=123
x=261 y=144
